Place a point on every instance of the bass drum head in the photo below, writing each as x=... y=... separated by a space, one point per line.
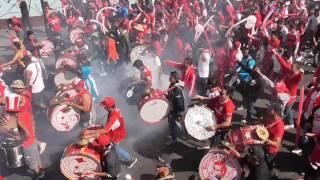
x=136 y=52
x=220 y=164
x=47 y=48
x=75 y=34
x=72 y=166
x=67 y=60
x=65 y=77
x=134 y=91
x=196 y=120
x=64 y=118
x=154 y=110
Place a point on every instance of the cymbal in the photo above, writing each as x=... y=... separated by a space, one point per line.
x=262 y=132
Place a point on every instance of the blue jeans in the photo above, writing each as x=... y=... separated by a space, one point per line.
x=287 y=114
x=123 y=154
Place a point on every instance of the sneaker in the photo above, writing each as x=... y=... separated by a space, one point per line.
x=42 y=147
x=170 y=142
x=132 y=163
x=287 y=127
x=103 y=74
x=240 y=108
x=203 y=147
x=39 y=176
x=299 y=59
x=297 y=151
x=244 y=121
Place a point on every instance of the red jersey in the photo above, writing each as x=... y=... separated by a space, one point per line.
x=115 y=126
x=222 y=110
x=276 y=130
x=189 y=79
x=292 y=40
x=25 y=117
x=147 y=76
x=291 y=79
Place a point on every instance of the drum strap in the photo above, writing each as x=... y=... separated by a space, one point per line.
x=273 y=124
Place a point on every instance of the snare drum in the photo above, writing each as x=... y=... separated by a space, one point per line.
x=13 y=152
x=134 y=91
x=220 y=164
x=77 y=159
x=65 y=77
x=197 y=119
x=243 y=136
x=75 y=34
x=155 y=102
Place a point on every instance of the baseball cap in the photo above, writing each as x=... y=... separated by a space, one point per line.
x=108 y=102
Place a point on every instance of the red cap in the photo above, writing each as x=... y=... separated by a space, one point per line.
x=102 y=140
x=237 y=44
x=108 y=102
x=80 y=84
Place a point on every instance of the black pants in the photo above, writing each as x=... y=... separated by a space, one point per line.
x=218 y=137
x=173 y=128
x=202 y=86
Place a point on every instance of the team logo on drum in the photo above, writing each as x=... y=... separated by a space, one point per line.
x=220 y=164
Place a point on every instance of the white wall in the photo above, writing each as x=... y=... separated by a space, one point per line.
x=8 y=8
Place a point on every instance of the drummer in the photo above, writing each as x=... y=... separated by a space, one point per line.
x=223 y=108
x=83 y=102
x=26 y=125
x=115 y=127
x=275 y=125
x=145 y=72
x=110 y=161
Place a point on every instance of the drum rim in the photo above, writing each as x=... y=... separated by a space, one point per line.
x=224 y=149
x=56 y=106
x=205 y=107
x=63 y=72
x=79 y=154
x=136 y=47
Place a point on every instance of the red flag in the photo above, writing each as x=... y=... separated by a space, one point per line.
x=298 y=129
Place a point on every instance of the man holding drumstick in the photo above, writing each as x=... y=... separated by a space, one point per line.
x=223 y=108
x=115 y=128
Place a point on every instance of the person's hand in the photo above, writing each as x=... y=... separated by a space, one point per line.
x=310 y=134
x=88 y=173
x=301 y=71
x=257 y=70
x=274 y=51
x=211 y=128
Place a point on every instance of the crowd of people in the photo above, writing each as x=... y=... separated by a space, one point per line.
x=209 y=48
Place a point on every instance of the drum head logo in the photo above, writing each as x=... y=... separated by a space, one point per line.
x=220 y=164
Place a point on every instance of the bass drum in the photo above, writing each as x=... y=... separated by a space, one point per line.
x=47 y=48
x=62 y=117
x=220 y=163
x=197 y=119
x=65 y=77
x=137 y=53
x=68 y=60
x=155 y=102
x=134 y=91
x=13 y=152
x=77 y=159
x=75 y=34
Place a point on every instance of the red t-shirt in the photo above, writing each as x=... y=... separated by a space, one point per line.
x=189 y=79
x=276 y=130
x=115 y=126
x=221 y=110
x=25 y=117
x=292 y=40
x=147 y=76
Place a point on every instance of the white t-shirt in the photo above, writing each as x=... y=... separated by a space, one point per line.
x=157 y=61
x=36 y=81
x=203 y=65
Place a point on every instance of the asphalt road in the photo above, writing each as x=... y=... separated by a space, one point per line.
x=144 y=141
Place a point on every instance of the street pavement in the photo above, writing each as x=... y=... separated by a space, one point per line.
x=144 y=141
